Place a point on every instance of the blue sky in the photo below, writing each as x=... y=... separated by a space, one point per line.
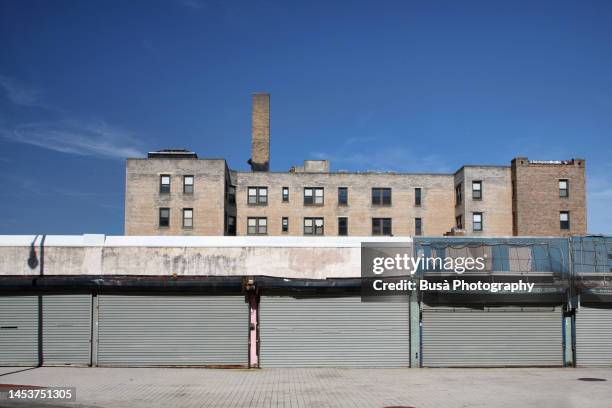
x=400 y=85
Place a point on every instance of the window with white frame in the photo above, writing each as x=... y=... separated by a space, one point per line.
x=188 y=184
x=563 y=188
x=257 y=226
x=257 y=195
x=164 y=184
x=187 y=217
x=477 y=190
x=477 y=221
x=564 y=220
x=313 y=196
x=313 y=226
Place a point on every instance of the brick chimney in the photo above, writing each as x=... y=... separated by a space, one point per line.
x=260 y=133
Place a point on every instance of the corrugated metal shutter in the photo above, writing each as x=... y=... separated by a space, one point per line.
x=594 y=337
x=19 y=330
x=67 y=329
x=172 y=330
x=509 y=336
x=334 y=332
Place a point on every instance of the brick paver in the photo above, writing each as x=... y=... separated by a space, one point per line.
x=324 y=387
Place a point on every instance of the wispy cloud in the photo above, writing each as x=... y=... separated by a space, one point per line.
x=20 y=93
x=66 y=135
x=23 y=186
x=83 y=138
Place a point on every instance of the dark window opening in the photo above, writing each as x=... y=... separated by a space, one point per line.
x=381 y=226
x=231 y=225
x=164 y=217
x=231 y=194
x=418 y=226
x=342 y=196
x=459 y=222
x=343 y=226
x=417 y=197
x=458 y=194
x=381 y=196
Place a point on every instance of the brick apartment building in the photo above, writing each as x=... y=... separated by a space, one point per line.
x=173 y=192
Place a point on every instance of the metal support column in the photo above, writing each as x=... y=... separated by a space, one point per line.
x=94 y=330
x=415 y=330
x=568 y=337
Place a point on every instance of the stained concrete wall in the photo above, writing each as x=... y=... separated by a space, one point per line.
x=299 y=257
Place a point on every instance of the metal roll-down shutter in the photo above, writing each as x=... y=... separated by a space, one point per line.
x=67 y=329
x=18 y=330
x=508 y=336
x=172 y=330
x=593 y=337
x=337 y=332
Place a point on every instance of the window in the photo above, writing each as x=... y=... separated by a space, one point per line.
x=564 y=220
x=285 y=194
x=164 y=184
x=417 y=197
x=285 y=225
x=188 y=184
x=313 y=196
x=418 y=226
x=459 y=221
x=342 y=196
x=231 y=225
x=187 y=217
x=381 y=196
x=231 y=194
x=477 y=221
x=477 y=190
x=342 y=226
x=563 y=188
x=257 y=226
x=164 y=217
x=313 y=226
x=381 y=226
x=258 y=195
x=458 y=194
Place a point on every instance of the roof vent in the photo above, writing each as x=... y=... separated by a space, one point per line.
x=172 y=154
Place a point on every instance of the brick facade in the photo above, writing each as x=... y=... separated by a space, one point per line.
x=143 y=199
x=521 y=199
x=537 y=202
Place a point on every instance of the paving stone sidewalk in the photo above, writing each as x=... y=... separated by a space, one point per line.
x=319 y=387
